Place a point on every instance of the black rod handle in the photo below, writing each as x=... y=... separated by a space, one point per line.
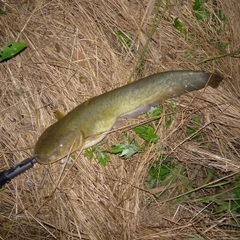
x=7 y=175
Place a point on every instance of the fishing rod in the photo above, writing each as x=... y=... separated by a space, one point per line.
x=17 y=169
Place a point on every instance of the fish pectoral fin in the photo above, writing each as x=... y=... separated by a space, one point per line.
x=58 y=115
x=119 y=123
x=139 y=111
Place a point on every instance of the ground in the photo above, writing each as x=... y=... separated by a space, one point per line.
x=80 y=49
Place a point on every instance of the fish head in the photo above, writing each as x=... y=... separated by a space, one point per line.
x=53 y=145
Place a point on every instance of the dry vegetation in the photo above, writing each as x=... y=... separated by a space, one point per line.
x=74 y=53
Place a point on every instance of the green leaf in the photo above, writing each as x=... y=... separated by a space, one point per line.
x=154 y=112
x=89 y=153
x=126 y=149
x=220 y=45
x=173 y=104
x=179 y=25
x=220 y=184
x=2 y=189
x=1 y=11
x=194 y=127
x=11 y=49
x=221 y=15
x=101 y=156
x=191 y=131
x=124 y=39
x=160 y=170
x=198 y=5
x=147 y=133
x=200 y=15
x=168 y=121
x=199 y=11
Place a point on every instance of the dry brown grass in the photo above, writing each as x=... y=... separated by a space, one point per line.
x=73 y=55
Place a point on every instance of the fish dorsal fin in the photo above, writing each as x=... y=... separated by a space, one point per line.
x=58 y=115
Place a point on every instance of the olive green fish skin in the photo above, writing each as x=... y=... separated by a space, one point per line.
x=89 y=122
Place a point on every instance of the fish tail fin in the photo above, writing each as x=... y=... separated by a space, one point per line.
x=213 y=80
x=199 y=80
